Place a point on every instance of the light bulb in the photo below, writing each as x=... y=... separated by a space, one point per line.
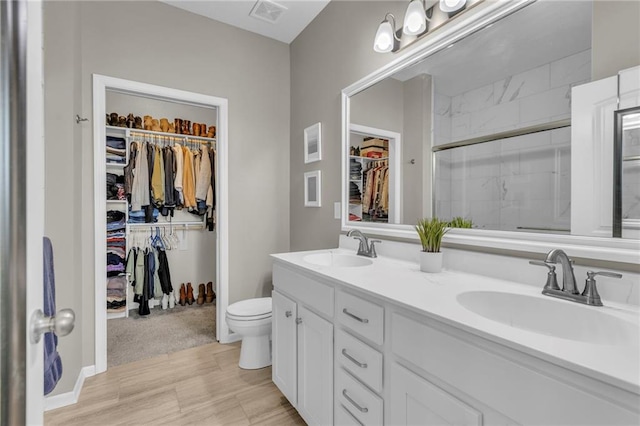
x=383 y=42
x=451 y=5
x=415 y=19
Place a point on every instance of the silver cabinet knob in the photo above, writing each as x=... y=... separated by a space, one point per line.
x=287 y=314
x=61 y=324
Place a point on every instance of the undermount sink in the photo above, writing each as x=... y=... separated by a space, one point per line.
x=337 y=260
x=565 y=320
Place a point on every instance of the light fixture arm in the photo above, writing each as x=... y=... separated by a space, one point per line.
x=393 y=24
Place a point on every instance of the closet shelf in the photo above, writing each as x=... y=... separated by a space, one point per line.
x=368 y=158
x=117 y=202
x=184 y=224
x=127 y=131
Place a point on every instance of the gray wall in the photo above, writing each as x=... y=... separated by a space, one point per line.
x=616 y=37
x=158 y=44
x=335 y=50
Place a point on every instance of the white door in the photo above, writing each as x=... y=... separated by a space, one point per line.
x=21 y=209
x=283 y=335
x=315 y=368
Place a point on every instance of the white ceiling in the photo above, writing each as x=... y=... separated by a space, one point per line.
x=542 y=32
x=298 y=15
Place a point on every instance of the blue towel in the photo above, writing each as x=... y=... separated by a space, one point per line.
x=52 y=361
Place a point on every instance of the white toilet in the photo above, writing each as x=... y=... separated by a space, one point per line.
x=251 y=319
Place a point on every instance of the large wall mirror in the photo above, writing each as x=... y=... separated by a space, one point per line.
x=484 y=114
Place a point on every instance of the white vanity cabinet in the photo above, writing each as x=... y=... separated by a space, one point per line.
x=393 y=365
x=303 y=344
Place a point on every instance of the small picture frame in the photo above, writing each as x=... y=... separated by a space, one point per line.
x=312 y=188
x=313 y=143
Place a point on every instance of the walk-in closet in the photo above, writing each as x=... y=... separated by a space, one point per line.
x=161 y=171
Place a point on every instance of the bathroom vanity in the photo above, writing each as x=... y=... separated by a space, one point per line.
x=360 y=341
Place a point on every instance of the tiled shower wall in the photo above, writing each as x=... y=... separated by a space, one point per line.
x=521 y=183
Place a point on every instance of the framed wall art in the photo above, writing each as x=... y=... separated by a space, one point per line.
x=313 y=143
x=312 y=188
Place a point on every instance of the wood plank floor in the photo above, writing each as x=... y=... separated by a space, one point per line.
x=202 y=386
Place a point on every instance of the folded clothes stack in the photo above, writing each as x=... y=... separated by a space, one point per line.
x=115 y=220
x=355 y=196
x=115 y=187
x=144 y=216
x=116 y=292
x=355 y=169
x=116 y=150
x=115 y=242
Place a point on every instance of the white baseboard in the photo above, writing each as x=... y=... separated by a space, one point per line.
x=64 y=399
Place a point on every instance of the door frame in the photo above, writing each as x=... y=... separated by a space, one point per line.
x=101 y=84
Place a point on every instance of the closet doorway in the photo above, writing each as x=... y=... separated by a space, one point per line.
x=191 y=239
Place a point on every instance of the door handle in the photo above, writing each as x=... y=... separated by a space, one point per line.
x=298 y=320
x=61 y=324
x=287 y=314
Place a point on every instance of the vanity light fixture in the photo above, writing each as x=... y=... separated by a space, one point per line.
x=452 y=5
x=415 y=18
x=418 y=21
x=386 y=35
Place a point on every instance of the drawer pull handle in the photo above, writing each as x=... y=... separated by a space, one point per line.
x=353 y=360
x=351 y=414
x=362 y=320
x=287 y=314
x=355 y=404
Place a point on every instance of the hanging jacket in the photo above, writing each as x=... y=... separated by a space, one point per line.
x=188 y=183
x=157 y=178
x=170 y=193
x=128 y=169
x=52 y=360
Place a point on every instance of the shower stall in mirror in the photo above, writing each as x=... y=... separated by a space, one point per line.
x=626 y=173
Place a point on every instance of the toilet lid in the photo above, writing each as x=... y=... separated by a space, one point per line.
x=250 y=307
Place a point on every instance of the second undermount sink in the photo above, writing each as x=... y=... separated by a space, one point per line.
x=337 y=260
x=565 y=320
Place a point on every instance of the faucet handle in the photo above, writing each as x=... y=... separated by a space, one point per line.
x=552 y=280
x=590 y=289
x=591 y=274
x=372 y=247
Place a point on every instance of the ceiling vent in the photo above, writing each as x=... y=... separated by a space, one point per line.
x=268 y=11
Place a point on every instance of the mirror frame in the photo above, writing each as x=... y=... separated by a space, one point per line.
x=485 y=13
x=617 y=167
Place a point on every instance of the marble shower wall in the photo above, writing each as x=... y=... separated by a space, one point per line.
x=516 y=184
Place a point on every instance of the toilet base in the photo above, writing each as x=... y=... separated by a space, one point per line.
x=255 y=352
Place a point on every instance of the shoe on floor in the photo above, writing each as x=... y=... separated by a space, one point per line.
x=165 y=301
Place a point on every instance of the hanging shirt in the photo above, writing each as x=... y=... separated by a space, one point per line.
x=203 y=181
x=179 y=158
x=188 y=182
x=157 y=178
x=140 y=188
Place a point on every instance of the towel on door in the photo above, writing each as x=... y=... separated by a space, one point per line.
x=52 y=361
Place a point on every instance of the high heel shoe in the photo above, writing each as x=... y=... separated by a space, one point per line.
x=210 y=294
x=183 y=295
x=190 y=298
x=200 y=300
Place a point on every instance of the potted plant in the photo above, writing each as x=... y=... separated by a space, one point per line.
x=431 y=232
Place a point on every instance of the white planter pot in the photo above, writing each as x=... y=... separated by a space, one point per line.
x=430 y=262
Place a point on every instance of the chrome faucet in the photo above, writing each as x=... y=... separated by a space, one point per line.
x=366 y=248
x=568 y=278
x=569 y=289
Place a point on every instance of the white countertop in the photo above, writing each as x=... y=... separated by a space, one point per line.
x=402 y=283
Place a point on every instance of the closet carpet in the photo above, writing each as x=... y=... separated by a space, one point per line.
x=162 y=332
x=197 y=386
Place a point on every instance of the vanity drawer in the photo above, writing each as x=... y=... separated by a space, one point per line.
x=311 y=293
x=365 y=405
x=359 y=359
x=361 y=316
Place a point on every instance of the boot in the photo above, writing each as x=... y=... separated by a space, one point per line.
x=183 y=295
x=200 y=300
x=210 y=294
x=165 y=301
x=172 y=300
x=190 y=298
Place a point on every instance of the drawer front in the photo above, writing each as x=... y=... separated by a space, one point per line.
x=344 y=417
x=361 y=316
x=365 y=405
x=359 y=359
x=311 y=293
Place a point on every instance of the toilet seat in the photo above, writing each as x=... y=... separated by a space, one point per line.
x=250 y=309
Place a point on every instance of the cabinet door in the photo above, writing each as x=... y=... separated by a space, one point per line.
x=284 y=347
x=415 y=401
x=315 y=368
